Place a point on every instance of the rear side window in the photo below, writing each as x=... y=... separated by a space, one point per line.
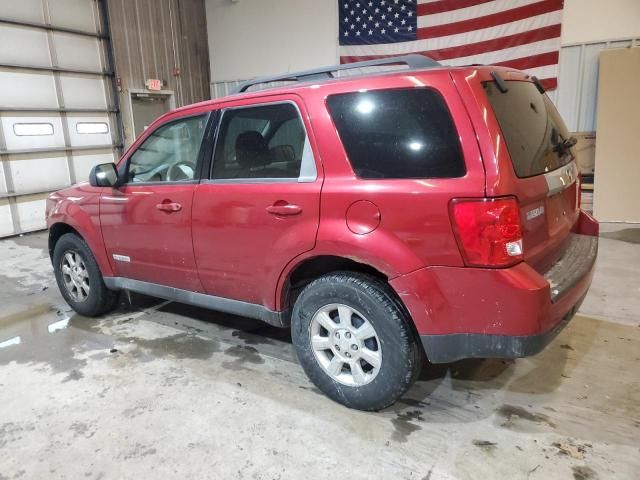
x=398 y=134
x=532 y=128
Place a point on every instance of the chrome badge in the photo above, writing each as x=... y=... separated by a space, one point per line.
x=534 y=213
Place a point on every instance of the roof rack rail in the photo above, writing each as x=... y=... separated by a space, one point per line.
x=413 y=61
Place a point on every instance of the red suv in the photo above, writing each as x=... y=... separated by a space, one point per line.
x=383 y=217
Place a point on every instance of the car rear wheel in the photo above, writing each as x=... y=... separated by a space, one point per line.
x=79 y=278
x=355 y=341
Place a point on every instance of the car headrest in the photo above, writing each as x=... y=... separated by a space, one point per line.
x=252 y=150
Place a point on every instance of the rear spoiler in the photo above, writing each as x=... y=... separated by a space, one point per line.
x=502 y=85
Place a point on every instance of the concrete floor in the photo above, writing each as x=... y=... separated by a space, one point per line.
x=161 y=390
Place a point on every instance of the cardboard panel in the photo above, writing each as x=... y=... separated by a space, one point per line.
x=617 y=176
x=585 y=151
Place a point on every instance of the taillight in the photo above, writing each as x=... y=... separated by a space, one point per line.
x=488 y=231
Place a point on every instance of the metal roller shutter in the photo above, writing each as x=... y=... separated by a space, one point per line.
x=58 y=111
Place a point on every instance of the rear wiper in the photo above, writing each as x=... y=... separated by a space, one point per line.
x=500 y=83
x=563 y=147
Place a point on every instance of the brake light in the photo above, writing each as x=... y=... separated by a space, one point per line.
x=488 y=231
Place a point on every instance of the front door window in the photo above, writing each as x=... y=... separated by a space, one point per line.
x=170 y=153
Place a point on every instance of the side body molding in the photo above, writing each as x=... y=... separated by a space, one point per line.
x=227 y=305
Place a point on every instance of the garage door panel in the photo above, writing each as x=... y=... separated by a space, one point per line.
x=3 y=182
x=24 y=131
x=83 y=91
x=30 y=209
x=77 y=52
x=76 y=14
x=84 y=161
x=87 y=130
x=6 y=221
x=23 y=10
x=54 y=125
x=27 y=171
x=34 y=46
x=27 y=89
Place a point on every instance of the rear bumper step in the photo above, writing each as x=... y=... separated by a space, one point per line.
x=577 y=260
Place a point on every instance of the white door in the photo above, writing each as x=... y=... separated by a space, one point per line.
x=57 y=111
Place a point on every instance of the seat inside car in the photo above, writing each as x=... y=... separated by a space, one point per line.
x=252 y=152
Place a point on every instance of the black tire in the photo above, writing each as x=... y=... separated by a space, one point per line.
x=401 y=354
x=100 y=299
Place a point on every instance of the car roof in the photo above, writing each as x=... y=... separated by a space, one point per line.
x=347 y=80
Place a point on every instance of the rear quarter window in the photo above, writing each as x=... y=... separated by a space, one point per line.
x=401 y=133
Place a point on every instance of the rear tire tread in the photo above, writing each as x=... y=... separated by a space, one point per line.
x=395 y=325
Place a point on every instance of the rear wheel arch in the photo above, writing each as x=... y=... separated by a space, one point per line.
x=308 y=269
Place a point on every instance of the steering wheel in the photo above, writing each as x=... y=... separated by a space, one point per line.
x=180 y=171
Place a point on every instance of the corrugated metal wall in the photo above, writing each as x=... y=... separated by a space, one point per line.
x=163 y=39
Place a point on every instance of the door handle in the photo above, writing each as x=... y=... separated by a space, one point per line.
x=284 y=209
x=169 y=207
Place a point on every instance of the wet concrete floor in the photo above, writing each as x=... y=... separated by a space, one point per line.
x=163 y=390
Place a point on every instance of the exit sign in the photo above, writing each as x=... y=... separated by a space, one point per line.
x=153 y=84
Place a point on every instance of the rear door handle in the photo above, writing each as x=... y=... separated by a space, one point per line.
x=168 y=206
x=284 y=209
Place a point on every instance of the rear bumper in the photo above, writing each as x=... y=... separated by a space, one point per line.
x=456 y=346
x=498 y=313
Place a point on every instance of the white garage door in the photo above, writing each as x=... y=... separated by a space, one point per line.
x=57 y=104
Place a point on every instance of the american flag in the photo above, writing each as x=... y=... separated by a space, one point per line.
x=522 y=34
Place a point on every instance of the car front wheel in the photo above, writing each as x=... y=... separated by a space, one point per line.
x=354 y=340
x=79 y=278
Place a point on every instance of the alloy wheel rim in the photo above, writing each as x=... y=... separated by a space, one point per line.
x=345 y=344
x=75 y=276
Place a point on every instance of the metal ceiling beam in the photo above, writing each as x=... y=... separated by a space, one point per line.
x=58 y=110
x=78 y=148
x=15 y=66
x=51 y=28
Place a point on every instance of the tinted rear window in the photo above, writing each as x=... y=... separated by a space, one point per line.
x=531 y=126
x=398 y=134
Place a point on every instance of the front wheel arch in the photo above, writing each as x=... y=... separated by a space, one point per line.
x=56 y=231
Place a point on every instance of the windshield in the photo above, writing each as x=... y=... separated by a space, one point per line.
x=536 y=136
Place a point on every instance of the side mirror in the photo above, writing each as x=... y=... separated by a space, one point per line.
x=104 y=175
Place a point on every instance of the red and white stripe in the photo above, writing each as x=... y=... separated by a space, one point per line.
x=522 y=34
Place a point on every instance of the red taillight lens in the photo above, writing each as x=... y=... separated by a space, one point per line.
x=488 y=231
